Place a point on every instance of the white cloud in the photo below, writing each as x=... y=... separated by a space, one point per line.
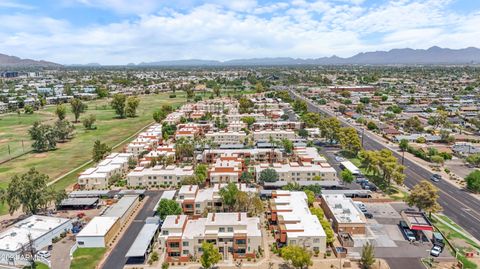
x=14 y=4
x=222 y=30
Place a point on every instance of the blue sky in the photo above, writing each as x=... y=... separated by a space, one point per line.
x=125 y=31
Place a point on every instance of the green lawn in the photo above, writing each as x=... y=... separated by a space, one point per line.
x=68 y=156
x=38 y=265
x=84 y=258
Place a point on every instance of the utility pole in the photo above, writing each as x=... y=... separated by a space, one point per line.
x=403 y=156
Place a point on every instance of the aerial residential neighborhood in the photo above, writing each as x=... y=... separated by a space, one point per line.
x=245 y=134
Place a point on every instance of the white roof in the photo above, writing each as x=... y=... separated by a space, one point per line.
x=351 y=167
x=307 y=224
x=343 y=208
x=14 y=237
x=98 y=226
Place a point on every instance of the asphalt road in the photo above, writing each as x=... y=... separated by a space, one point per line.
x=457 y=204
x=116 y=259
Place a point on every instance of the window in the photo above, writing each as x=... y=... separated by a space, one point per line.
x=185 y=243
x=185 y=252
x=165 y=232
x=221 y=230
x=81 y=243
x=230 y=229
x=316 y=240
x=197 y=205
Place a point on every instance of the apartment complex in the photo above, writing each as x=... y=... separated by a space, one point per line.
x=256 y=155
x=159 y=175
x=226 y=170
x=227 y=137
x=275 y=134
x=232 y=233
x=293 y=172
x=98 y=177
x=195 y=201
x=290 y=216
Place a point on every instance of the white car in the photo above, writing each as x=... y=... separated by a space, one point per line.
x=45 y=254
x=435 y=251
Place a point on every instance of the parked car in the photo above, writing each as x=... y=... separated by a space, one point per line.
x=437 y=240
x=368 y=215
x=45 y=254
x=361 y=180
x=409 y=235
x=339 y=159
x=435 y=251
x=361 y=206
x=436 y=178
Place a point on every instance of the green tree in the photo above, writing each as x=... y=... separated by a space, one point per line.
x=63 y=130
x=210 y=255
x=101 y=92
x=311 y=119
x=424 y=196
x=310 y=196
x=287 y=146
x=473 y=181
x=28 y=109
x=249 y=120
x=349 y=140
x=303 y=133
x=29 y=192
x=100 y=151
x=201 y=172
x=78 y=107
x=346 y=176
x=118 y=104
x=330 y=128
x=217 y=89
x=44 y=137
x=246 y=177
x=131 y=107
x=300 y=106
x=168 y=207
x=229 y=194
x=403 y=144
x=245 y=105
x=268 y=175
x=299 y=257
x=368 y=256
x=61 y=111
x=413 y=124
x=259 y=87
x=89 y=121
x=371 y=125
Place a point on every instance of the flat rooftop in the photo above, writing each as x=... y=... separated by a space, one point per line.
x=98 y=226
x=14 y=237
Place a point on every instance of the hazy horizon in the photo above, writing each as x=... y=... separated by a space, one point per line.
x=116 y=32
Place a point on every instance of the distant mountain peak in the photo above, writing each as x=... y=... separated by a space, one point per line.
x=16 y=62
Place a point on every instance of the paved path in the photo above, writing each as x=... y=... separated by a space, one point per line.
x=116 y=259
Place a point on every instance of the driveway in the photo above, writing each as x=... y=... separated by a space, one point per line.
x=61 y=253
x=116 y=259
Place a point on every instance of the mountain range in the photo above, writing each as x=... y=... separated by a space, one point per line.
x=432 y=56
x=16 y=62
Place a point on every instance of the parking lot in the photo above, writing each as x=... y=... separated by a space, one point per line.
x=385 y=234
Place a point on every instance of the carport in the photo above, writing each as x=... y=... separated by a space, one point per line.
x=417 y=221
x=139 y=250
